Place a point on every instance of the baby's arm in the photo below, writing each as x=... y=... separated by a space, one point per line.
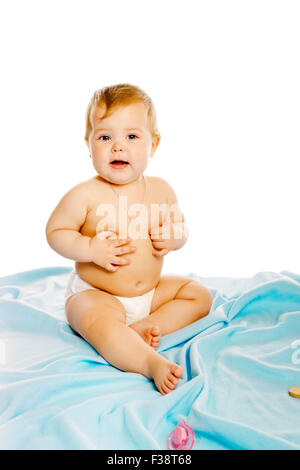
x=180 y=229
x=63 y=226
x=63 y=234
x=172 y=231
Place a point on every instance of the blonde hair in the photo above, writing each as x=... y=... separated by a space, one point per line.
x=116 y=96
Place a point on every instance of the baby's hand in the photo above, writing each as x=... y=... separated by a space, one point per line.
x=170 y=233
x=162 y=238
x=105 y=252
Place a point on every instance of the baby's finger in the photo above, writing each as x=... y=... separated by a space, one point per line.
x=121 y=242
x=105 y=234
x=110 y=267
x=124 y=249
x=162 y=252
x=120 y=261
x=155 y=252
x=158 y=244
x=157 y=236
x=164 y=233
x=157 y=239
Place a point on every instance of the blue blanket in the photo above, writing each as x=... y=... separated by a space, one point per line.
x=57 y=392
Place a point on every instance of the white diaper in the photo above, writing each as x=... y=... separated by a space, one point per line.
x=136 y=307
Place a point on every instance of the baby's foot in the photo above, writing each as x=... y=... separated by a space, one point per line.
x=149 y=333
x=164 y=373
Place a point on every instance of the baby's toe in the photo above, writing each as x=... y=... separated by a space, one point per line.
x=165 y=389
x=155 y=331
x=176 y=371
x=155 y=337
x=155 y=340
x=170 y=384
x=173 y=380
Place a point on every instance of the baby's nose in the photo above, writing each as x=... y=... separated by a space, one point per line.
x=117 y=148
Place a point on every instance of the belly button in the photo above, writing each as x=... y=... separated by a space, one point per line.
x=138 y=283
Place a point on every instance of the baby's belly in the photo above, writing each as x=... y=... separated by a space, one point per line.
x=136 y=278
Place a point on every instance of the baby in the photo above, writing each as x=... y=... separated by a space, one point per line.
x=117 y=227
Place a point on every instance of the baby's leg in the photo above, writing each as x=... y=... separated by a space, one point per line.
x=100 y=319
x=178 y=301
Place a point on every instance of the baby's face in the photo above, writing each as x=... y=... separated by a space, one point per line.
x=122 y=137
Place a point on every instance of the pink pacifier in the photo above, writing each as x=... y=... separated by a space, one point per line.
x=181 y=438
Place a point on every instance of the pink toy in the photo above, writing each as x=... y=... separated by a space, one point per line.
x=181 y=438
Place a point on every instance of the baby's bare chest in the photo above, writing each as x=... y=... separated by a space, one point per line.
x=124 y=217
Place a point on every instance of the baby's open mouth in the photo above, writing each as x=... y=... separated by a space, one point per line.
x=119 y=164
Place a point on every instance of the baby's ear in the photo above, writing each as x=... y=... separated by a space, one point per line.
x=155 y=143
x=87 y=143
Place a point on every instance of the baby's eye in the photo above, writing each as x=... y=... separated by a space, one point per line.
x=132 y=135
x=104 y=137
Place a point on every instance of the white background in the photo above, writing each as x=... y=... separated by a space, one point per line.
x=224 y=77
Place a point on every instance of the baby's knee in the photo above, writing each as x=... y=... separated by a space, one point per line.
x=205 y=299
x=86 y=309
